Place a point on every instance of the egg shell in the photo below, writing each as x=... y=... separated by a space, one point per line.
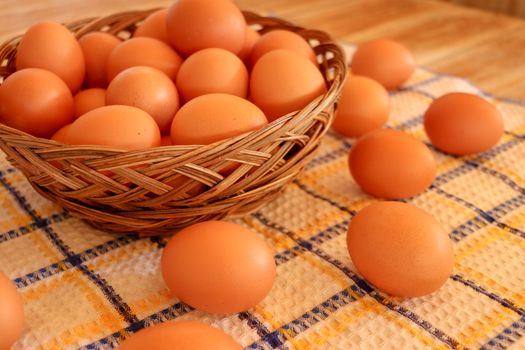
x=143 y=51
x=284 y=81
x=212 y=71
x=51 y=46
x=148 y=89
x=194 y=25
x=154 y=26
x=120 y=127
x=250 y=39
x=391 y=164
x=61 y=134
x=36 y=101
x=218 y=267
x=400 y=249
x=282 y=39
x=180 y=335
x=386 y=61
x=364 y=106
x=461 y=124
x=88 y=100
x=11 y=313
x=96 y=47
x=213 y=117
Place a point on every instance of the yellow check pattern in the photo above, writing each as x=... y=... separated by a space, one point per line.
x=89 y=289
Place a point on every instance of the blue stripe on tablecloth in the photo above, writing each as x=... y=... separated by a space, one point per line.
x=164 y=315
x=280 y=258
x=74 y=260
x=483 y=215
x=500 y=300
x=24 y=230
x=122 y=308
x=363 y=285
x=276 y=339
x=507 y=336
x=316 y=195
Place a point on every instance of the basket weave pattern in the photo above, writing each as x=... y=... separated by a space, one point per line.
x=153 y=191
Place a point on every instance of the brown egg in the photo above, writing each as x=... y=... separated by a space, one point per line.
x=400 y=249
x=148 y=89
x=212 y=70
x=154 y=26
x=88 y=100
x=194 y=25
x=213 y=117
x=97 y=47
x=36 y=101
x=284 y=81
x=364 y=105
x=11 y=313
x=386 y=61
x=461 y=124
x=282 y=39
x=218 y=267
x=143 y=52
x=51 y=46
x=249 y=41
x=62 y=134
x=180 y=335
x=391 y=164
x=122 y=127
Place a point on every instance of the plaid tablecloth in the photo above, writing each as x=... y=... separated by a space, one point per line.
x=89 y=289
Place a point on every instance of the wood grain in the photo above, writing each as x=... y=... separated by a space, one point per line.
x=486 y=48
x=510 y=7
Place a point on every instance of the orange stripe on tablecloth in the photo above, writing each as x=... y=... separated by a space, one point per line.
x=483 y=326
x=42 y=244
x=108 y=318
x=279 y=241
x=516 y=298
x=336 y=324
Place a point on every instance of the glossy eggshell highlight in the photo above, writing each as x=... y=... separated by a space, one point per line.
x=213 y=117
x=212 y=71
x=391 y=164
x=249 y=42
x=148 y=89
x=400 y=249
x=143 y=52
x=386 y=61
x=11 y=313
x=284 y=81
x=51 y=46
x=194 y=25
x=180 y=335
x=218 y=267
x=36 y=101
x=460 y=123
x=282 y=39
x=121 y=127
x=364 y=105
x=88 y=100
x=154 y=26
x=97 y=46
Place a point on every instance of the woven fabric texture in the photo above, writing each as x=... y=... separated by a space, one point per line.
x=88 y=289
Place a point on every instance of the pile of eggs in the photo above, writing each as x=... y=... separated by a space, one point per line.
x=196 y=74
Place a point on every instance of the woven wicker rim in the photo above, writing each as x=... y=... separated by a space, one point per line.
x=154 y=191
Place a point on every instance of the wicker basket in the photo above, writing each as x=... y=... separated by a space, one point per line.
x=154 y=191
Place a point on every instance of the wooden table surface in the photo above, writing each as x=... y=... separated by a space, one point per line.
x=486 y=48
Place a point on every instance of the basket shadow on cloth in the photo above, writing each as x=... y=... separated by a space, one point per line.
x=161 y=190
